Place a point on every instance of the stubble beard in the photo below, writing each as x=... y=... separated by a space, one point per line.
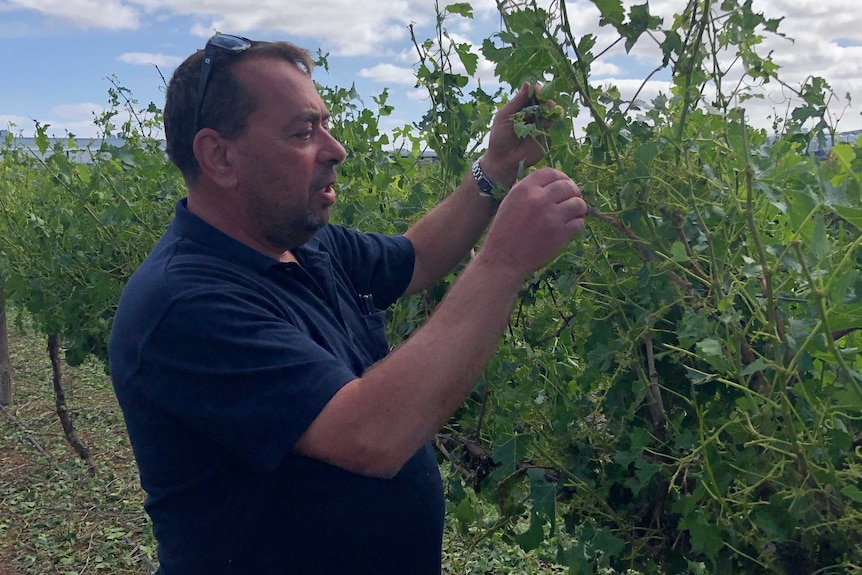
x=295 y=229
x=311 y=222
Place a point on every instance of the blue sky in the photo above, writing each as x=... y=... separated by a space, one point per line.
x=58 y=54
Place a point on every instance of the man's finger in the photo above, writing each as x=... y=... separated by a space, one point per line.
x=562 y=190
x=575 y=207
x=544 y=177
x=520 y=100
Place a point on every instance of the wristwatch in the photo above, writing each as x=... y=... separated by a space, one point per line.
x=487 y=188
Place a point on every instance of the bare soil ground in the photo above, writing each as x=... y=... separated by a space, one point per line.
x=54 y=516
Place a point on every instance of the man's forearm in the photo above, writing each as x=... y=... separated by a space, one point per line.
x=374 y=424
x=444 y=236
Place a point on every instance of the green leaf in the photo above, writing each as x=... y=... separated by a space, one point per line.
x=460 y=8
x=678 y=252
x=845 y=316
x=612 y=12
x=42 y=141
x=853 y=493
x=710 y=347
x=671 y=46
x=470 y=60
x=692 y=326
x=543 y=496
x=770 y=525
x=608 y=543
x=640 y=21
x=644 y=472
x=844 y=154
x=511 y=451
x=643 y=159
x=464 y=512
x=758 y=365
x=543 y=493
x=533 y=536
x=851 y=214
x=706 y=537
x=640 y=17
x=820 y=244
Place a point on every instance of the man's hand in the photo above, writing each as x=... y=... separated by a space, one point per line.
x=444 y=236
x=535 y=221
x=506 y=151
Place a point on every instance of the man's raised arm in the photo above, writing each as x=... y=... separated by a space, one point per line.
x=444 y=236
x=374 y=424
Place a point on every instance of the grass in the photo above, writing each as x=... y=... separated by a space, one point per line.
x=56 y=518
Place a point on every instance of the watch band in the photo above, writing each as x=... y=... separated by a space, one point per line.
x=487 y=188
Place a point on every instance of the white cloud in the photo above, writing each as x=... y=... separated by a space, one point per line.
x=145 y=59
x=631 y=88
x=75 y=111
x=58 y=128
x=344 y=27
x=108 y=14
x=481 y=7
x=62 y=119
x=407 y=56
x=418 y=95
x=15 y=124
x=389 y=74
x=602 y=69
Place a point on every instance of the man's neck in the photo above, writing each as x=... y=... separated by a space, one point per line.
x=230 y=222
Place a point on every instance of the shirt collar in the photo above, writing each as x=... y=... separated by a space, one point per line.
x=189 y=226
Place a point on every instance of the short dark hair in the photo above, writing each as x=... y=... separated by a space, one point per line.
x=227 y=104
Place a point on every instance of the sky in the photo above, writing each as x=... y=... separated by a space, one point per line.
x=57 y=57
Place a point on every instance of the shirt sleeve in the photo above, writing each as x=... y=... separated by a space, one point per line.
x=376 y=263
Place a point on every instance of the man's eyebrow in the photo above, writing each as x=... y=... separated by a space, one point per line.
x=311 y=117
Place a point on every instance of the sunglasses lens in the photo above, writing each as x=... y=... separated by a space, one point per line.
x=230 y=43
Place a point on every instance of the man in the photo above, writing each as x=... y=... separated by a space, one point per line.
x=273 y=430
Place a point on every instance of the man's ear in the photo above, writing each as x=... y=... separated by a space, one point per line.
x=211 y=152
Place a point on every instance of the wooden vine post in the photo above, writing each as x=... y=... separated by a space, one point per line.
x=5 y=366
x=62 y=409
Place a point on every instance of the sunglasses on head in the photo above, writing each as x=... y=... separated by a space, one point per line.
x=226 y=42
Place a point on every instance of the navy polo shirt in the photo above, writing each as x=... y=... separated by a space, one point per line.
x=220 y=358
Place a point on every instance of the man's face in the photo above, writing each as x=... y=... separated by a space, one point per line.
x=286 y=158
